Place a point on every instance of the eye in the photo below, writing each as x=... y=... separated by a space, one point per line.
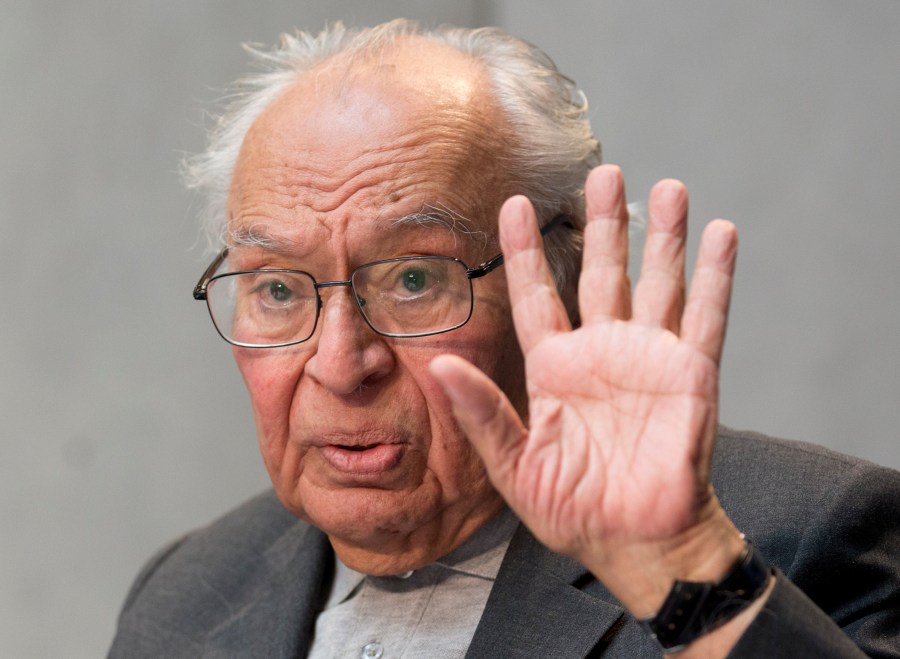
x=414 y=280
x=279 y=292
x=401 y=280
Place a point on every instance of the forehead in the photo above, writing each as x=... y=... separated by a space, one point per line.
x=412 y=130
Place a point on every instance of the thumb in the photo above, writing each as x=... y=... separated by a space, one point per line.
x=485 y=415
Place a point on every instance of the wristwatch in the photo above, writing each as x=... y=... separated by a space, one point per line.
x=695 y=608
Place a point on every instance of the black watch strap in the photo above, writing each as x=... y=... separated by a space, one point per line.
x=695 y=608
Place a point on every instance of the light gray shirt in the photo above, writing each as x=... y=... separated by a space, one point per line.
x=431 y=612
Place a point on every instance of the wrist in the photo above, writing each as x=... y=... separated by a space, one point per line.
x=641 y=574
x=692 y=610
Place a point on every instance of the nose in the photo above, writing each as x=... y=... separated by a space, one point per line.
x=348 y=354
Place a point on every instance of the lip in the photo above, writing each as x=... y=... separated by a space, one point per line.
x=362 y=459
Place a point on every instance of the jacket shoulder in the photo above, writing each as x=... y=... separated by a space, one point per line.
x=777 y=491
x=204 y=578
x=829 y=523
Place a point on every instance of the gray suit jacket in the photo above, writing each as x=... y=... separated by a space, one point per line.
x=251 y=584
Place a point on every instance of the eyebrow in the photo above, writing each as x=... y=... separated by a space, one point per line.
x=257 y=234
x=456 y=223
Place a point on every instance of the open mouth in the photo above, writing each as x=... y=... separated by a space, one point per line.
x=365 y=447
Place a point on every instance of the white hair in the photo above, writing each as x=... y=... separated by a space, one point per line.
x=547 y=160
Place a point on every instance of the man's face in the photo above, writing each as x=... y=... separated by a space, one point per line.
x=355 y=434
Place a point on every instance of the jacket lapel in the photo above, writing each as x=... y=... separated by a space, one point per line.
x=538 y=609
x=280 y=614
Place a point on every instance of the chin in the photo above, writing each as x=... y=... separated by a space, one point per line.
x=365 y=516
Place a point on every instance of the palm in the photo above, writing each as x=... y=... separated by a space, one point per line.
x=610 y=449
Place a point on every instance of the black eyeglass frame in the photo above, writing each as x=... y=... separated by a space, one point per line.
x=485 y=268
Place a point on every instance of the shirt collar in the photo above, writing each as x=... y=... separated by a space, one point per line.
x=482 y=554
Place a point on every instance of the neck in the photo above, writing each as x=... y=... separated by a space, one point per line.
x=393 y=555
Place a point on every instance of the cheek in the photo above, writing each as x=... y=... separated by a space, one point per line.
x=271 y=380
x=452 y=459
x=459 y=469
x=492 y=313
x=497 y=353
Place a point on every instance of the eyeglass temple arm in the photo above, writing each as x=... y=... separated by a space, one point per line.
x=497 y=261
x=200 y=288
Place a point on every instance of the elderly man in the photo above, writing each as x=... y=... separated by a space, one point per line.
x=481 y=454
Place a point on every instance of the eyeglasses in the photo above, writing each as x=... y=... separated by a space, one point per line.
x=403 y=297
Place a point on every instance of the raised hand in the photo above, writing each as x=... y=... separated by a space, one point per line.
x=612 y=467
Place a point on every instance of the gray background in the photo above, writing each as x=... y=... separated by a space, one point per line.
x=123 y=420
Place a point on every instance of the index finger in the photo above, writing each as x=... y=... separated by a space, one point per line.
x=537 y=309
